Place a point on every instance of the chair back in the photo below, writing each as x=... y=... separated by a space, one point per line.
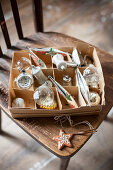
x=38 y=20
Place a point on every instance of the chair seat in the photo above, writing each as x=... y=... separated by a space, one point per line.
x=41 y=129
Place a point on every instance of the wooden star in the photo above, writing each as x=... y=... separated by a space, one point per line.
x=63 y=139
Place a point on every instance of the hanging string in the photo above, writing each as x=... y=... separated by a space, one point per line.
x=64 y=118
x=61 y=119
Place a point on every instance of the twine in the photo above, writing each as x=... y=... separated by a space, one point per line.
x=64 y=118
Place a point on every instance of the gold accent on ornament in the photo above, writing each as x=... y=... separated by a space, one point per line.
x=49 y=107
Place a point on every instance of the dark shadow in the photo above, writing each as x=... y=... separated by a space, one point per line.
x=19 y=141
x=29 y=40
x=15 y=48
x=13 y=138
x=109 y=120
x=8 y=135
x=5 y=56
x=4 y=69
x=108 y=164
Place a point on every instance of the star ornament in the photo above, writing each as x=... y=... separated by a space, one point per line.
x=63 y=139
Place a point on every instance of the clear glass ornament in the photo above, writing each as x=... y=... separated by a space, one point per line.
x=44 y=97
x=91 y=76
x=94 y=98
x=23 y=63
x=24 y=80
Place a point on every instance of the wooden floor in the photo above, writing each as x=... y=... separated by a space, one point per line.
x=91 y=21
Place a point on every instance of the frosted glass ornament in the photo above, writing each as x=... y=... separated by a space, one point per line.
x=58 y=60
x=18 y=102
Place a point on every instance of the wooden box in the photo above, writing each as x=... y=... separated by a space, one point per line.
x=31 y=110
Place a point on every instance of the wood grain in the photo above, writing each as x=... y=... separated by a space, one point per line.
x=43 y=130
x=93 y=20
x=17 y=18
x=90 y=21
x=4 y=28
x=0 y=122
x=38 y=15
x=64 y=164
x=1 y=53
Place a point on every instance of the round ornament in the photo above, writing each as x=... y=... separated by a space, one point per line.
x=91 y=76
x=18 y=102
x=24 y=80
x=44 y=97
x=94 y=98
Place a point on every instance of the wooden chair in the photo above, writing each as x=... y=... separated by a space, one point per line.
x=41 y=129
